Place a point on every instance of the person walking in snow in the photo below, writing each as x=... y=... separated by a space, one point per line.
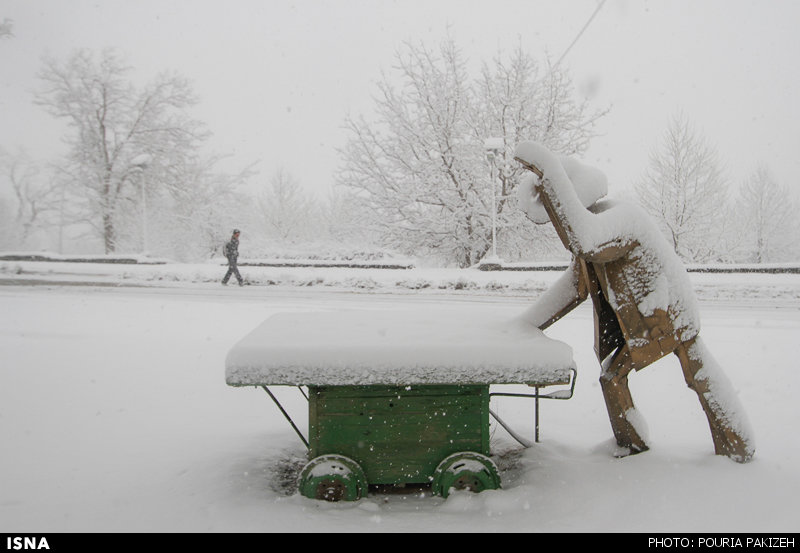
x=231 y=251
x=643 y=302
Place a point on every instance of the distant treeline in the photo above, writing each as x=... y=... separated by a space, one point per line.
x=774 y=268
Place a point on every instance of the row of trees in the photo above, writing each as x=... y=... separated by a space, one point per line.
x=414 y=177
x=704 y=216
x=419 y=167
x=137 y=177
x=134 y=161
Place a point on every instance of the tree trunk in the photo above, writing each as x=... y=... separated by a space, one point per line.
x=109 y=235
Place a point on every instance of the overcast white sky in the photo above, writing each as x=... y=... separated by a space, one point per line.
x=276 y=77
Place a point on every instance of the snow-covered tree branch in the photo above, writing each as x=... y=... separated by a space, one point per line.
x=685 y=191
x=285 y=211
x=34 y=202
x=420 y=164
x=767 y=222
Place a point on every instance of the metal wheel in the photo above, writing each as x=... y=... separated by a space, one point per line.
x=465 y=470
x=332 y=478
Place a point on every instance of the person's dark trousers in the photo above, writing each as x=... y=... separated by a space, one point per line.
x=232 y=270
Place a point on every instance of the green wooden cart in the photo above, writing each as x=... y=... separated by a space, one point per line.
x=399 y=397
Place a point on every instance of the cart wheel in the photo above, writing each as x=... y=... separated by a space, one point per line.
x=465 y=470
x=332 y=478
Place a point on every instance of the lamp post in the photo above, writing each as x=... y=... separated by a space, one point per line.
x=140 y=163
x=61 y=218
x=493 y=147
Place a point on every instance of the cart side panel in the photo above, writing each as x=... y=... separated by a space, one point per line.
x=398 y=434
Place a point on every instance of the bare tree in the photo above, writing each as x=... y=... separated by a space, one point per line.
x=519 y=100
x=419 y=167
x=35 y=198
x=766 y=216
x=342 y=218
x=192 y=214
x=7 y=28
x=285 y=211
x=7 y=238
x=684 y=189
x=113 y=124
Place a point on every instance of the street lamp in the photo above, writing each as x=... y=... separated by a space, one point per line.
x=493 y=147
x=140 y=163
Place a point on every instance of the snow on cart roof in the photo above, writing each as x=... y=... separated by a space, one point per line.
x=396 y=347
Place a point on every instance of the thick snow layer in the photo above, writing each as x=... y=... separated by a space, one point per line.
x=590 y=185
x=721 y=395
x=366 y=347
x=115 y=417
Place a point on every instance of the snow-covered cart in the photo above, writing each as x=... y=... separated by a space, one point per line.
x=398 y=397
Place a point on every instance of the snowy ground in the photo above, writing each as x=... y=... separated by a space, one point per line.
x=114 y=414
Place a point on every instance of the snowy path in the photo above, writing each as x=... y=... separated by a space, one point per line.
x=114 y=416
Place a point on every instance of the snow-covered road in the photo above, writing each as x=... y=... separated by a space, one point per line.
x=114 y=416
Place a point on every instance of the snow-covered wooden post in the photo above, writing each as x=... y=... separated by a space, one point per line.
x=644 y=306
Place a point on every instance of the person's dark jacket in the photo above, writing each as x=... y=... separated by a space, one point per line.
x=232 y=250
